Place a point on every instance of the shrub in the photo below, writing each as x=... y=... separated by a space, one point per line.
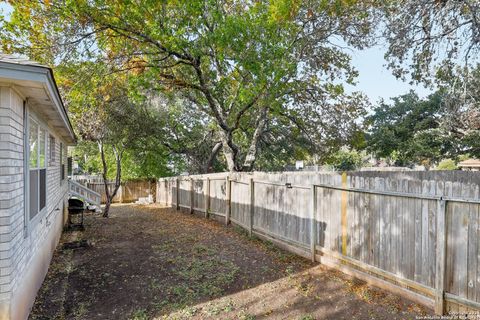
x=346 y=160
x=447 y=164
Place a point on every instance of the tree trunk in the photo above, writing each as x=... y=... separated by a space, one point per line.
x=118 y=176
x=228 y=152
x=211 y=158
x=118 y=158
x=104 y=177
x=252 y=150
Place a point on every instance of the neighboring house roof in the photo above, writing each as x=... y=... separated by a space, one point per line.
x=470 y=163
x=8 y=58
x=36 y=83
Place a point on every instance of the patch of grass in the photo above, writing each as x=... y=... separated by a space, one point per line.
x=189 y=312
x=307 y=317
x=359 y=288
x=280 y=254
x=290 y=271
x=266 y=269
x=160 y=305
x=230 y=306
x=268 y=312
x=241 y=231
x=81 y=309
x=199 y=276
x=167 y=246
x=304 y=288
x=189 y=238
x=171 y=260
x=207 y=277
x=246 y=316
x=154 y=284
x=140 y=314
x=213 y=310
x=200 y=249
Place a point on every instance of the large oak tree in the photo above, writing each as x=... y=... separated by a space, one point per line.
x=244 y=64
x=438 y=41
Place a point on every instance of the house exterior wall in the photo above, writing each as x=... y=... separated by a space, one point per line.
x=26 y=245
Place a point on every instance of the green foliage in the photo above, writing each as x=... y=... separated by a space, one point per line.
x=249 y=69
x=408 y=131
x=426 y=35
x=140 y=314
x=463 y=157
x=447 y=164
x=471 y=140
x=346 y=160
x=137 y=163
x=145 y=164
x=440 y=36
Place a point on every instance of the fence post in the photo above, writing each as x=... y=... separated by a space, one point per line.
x=207 y=197
x=177 y=182
x=252 y=204
x=440 y=255
x=167 y=184
x=228 y=198
x=150 y=191
x=344 y=204
x=313 y=223
x=192 y=181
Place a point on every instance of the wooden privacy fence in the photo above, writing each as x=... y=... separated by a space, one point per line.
x=129 y=191
x=414 y=233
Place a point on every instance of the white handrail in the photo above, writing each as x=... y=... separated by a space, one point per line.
x=84 y=188
x=81 y=191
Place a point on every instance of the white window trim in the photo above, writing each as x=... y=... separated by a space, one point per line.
x=26 y=173
x=62 y=155
x=52 y=160
x=42 y=213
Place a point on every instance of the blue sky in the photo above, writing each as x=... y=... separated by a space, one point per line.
x=375 y=80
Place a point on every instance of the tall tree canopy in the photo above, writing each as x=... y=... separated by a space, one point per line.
x=105 y=114
x=411 y=131
x=438 y=42
x=247 y=66
x=430 y=36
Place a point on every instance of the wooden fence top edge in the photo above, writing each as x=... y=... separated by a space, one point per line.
x=399 y=194
x=349 y=189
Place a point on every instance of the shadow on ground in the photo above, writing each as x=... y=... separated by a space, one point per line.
x=148 y=262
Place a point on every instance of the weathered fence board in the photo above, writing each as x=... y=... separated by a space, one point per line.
x=218 y=192
x=198 y=195
x=129 y=191
x=240 y=203
x=389 y=228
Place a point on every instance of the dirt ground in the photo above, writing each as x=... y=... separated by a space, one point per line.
x=149 y=262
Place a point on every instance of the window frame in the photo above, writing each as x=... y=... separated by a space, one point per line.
x=31 y=117
x=52 y=145
x=63 y=152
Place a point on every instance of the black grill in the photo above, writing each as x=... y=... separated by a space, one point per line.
x=76 y=208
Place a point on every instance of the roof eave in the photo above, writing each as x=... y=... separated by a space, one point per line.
x=44 y=75
x=59 y=102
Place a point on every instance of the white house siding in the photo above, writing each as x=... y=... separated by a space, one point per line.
x=26 y=246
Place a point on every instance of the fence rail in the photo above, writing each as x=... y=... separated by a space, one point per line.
x=129 y=191
x=414 y=233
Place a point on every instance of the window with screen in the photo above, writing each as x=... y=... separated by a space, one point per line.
x=37 y=138
x=62 y=162
x=51 y=150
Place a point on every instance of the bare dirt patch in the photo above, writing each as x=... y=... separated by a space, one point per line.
x=148 y=262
